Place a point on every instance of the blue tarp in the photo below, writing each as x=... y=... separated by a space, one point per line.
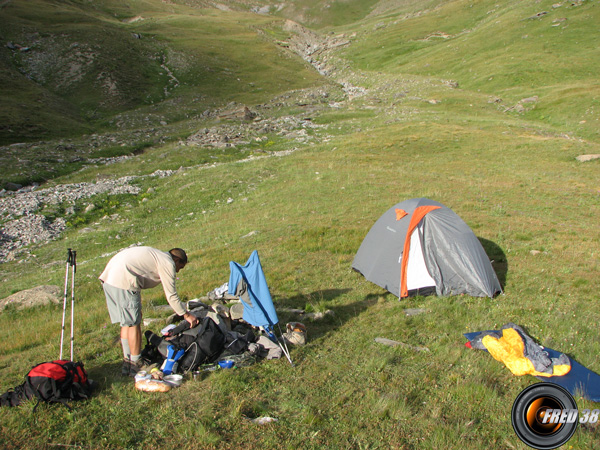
x=260 y=312
x=580 y=381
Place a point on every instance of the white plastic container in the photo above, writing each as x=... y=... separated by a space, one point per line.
x=142 y=375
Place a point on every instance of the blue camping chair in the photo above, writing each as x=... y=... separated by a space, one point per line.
x=248 y=282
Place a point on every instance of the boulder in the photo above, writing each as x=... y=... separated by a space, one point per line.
x=586 y=158
x=10 y=186
x=40 y=295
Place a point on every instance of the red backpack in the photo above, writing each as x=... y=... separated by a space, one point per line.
x=54 y=381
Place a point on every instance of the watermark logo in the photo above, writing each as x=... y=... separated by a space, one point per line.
x=545 y=416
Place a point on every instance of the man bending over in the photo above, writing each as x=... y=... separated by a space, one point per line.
x=125 y=275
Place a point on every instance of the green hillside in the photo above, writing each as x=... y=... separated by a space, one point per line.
x=74 y=65
x=289 y=128
x=509 y=51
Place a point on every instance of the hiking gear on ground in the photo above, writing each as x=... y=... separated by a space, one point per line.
x=295 y=333
x=152 y=386
x=142 y=375
x=580 y=381
x=174 y=380
x=57 y=381
x=71 y=261
x=218 y=293
x=247 y=358
x=294 y=338
x=60 y=380
x=248 y=282
x=173 y=355
x=269 y=348
x=241 y=343
x=201 y=344
x=166 y=331
x=421 y=247
x=196 y=304
x=226 y=364
x=519 y=353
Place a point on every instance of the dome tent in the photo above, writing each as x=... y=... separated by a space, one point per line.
x=420 y=246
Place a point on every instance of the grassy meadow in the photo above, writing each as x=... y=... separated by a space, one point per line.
x=438 y=120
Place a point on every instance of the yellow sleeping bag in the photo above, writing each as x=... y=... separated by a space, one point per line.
x=524 y=358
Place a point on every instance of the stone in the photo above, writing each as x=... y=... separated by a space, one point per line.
x=586 y=158
x=12 y=186
x=152 y=321
x=529 y=99
x=40 y=295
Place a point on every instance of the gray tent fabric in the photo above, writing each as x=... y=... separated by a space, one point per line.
x=453 y=256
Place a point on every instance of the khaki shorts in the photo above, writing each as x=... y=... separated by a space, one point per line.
x=124 y=307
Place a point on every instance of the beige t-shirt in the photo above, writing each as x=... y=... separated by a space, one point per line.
x=138 y=268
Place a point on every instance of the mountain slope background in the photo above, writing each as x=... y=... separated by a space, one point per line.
x=290 y=128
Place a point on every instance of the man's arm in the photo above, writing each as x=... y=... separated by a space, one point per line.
x=167 y=278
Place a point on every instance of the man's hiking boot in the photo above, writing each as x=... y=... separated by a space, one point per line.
x=296 y=333
x=294 y=338
x=131 y=368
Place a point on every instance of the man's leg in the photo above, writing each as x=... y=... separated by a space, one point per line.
x=126 y=307
x=113 y=300
x=133 y=335
x=125 y=343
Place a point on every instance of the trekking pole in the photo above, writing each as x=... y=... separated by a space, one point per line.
x=284 y=347
x=74 y=267
x=62 y=333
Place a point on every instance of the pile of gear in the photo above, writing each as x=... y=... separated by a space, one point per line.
x=221 y=335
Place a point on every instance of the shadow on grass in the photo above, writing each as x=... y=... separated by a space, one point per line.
x=498 y=258
x=300 y=300
x=327 y=317
x=107 y=375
